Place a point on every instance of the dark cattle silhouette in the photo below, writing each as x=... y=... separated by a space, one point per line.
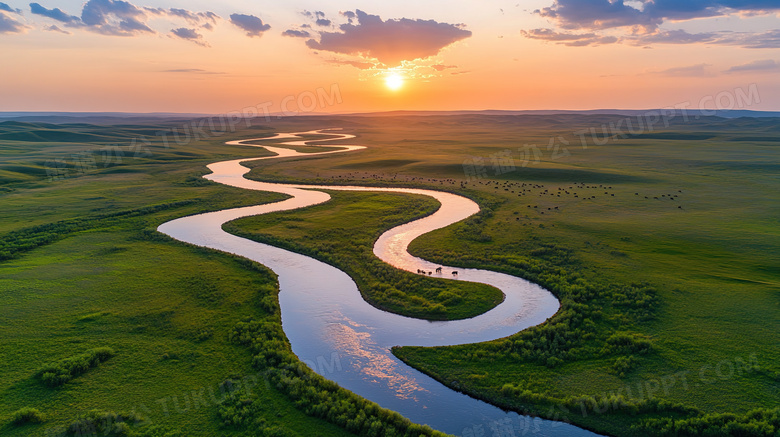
x=438 y=269
x=454 y=273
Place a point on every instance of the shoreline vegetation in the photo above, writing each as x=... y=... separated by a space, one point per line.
x=648 y=340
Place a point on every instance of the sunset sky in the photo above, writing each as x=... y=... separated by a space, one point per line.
x=211 y=57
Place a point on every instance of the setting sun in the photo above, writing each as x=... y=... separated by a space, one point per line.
x=394 y=82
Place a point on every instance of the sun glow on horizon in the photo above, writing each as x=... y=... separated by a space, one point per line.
x=394 y=82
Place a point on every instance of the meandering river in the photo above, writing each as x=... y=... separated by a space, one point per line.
x=331 y=327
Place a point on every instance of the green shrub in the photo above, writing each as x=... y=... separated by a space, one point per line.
x=623 y=365
x=756 y=423
x=27 y=415
x=57 y=374
x=103 y=423
x=204 y=334
x=628 y=343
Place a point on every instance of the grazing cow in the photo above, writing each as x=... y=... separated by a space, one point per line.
x=438 y=269
x=454 y=273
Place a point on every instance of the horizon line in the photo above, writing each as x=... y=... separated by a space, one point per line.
x=596 y=111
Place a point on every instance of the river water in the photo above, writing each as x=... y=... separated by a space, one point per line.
x=339 y=335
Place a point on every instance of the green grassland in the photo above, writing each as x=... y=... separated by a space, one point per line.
x=669 y=238
x=107 y=281
x=676 y=295
x=83 y=269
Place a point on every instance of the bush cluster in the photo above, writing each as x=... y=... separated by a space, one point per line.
x=757 y=423
x=27 y=415
x=95 y=423
x=57 y=374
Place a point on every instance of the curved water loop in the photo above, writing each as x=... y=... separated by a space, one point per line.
x=341 y=336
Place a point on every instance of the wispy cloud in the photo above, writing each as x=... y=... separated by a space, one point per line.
x=189 y=35
x=296 y=33
x=191 y=71
x=672 y=37
x=698 y=70
x=10 y=25
x=363 y=65
x=763 y=65
x=55 y=28
x=6 y=8
x=54 y=14
x=442 y=67
x=195 y=18
x=568 y=38
x=748 y=40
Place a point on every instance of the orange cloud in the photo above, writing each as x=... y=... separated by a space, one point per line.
x=390 y=41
